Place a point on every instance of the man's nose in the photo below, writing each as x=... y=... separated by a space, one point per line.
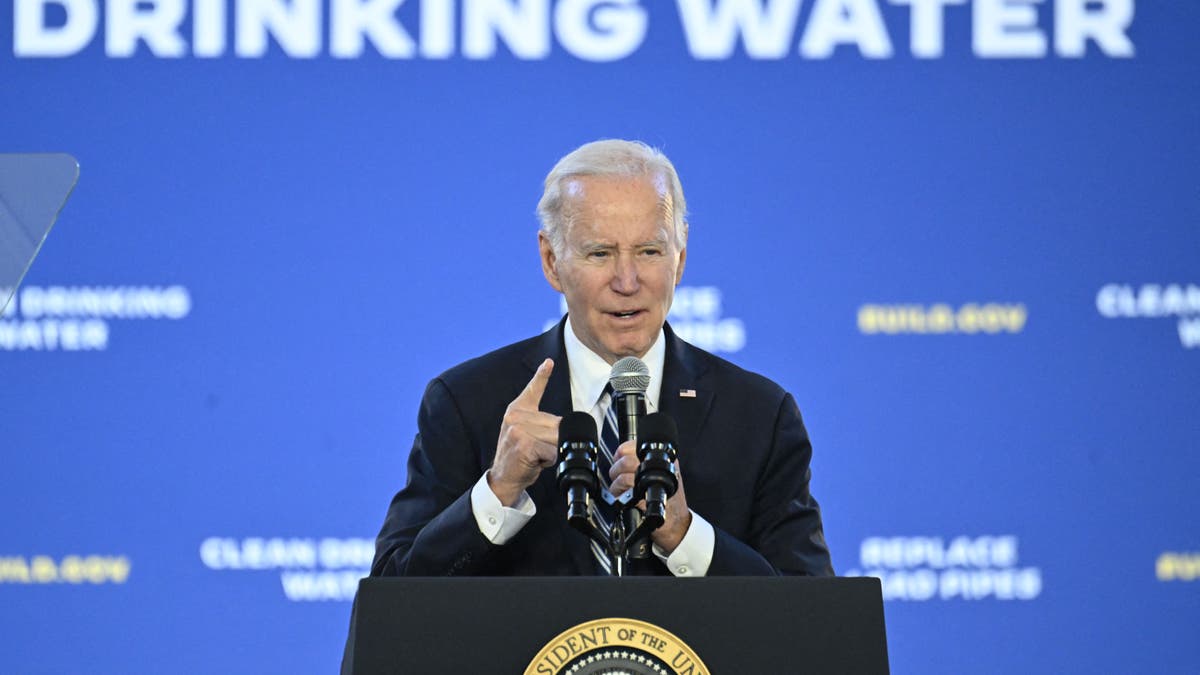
x=625 y=277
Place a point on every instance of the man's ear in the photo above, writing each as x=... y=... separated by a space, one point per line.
x=549 y=260
x=679 y=269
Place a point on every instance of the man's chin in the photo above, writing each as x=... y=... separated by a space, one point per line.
x=620 y=351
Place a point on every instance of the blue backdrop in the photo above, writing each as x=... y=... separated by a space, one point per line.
x=963 y=234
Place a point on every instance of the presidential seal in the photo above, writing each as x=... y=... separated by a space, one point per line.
x=616 y=647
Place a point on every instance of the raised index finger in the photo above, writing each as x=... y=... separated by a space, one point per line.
x=531 y=396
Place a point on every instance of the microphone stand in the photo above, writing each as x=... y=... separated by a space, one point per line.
x=618 y=542
x=655 y=482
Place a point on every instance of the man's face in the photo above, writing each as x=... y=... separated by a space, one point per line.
x=619 y=264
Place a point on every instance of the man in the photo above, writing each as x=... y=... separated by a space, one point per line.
x=481 y=496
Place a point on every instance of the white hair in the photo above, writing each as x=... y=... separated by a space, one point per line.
x=610 y=158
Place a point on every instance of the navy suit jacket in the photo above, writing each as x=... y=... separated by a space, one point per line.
x=743 y=454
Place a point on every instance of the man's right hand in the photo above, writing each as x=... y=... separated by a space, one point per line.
x=528 y=441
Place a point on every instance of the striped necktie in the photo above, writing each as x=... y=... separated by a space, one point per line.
x=602 y=512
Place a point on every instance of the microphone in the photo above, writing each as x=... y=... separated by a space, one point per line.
x=577 y=448
x=656 y=479
x=629 y=379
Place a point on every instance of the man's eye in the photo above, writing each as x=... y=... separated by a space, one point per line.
x=598 y=255
x=652 y=251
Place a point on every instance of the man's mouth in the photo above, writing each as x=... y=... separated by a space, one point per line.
x=627 y=314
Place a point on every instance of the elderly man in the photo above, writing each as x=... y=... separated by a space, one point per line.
x=480 y=499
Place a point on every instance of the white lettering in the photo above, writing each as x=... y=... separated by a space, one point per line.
x=912 y=552
x=353 y=19
x=523 y=24
x=1189 y=333
x=208 y=28
x=620 y=27
x=211 y=553
x=51 y=335
x=257 y=553
x=128 y=21
x=437 y=29
x=726 y=335
x=1149 y=301
x=336 y=553
x=32 y=37
x=592 y=30
x=695 y=302
x=925 y=584
x=1007 y=28
x=711 y=30
x=172 y=302
x=1106 y=23
x=918 y=585
x=1107 y=301
x=296 y=25
x=1004 y=551
x=836 y=22
x=1028 y=583
x=309 y=586
x=926 y=33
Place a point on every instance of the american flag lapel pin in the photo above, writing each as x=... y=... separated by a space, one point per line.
x=687 y=393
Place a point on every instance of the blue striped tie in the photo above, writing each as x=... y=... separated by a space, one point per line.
x=602 y=513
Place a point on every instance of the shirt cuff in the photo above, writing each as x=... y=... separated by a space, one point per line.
x=498 y=522
x=695 y=551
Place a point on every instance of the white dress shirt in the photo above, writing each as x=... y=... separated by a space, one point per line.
x=589 y=374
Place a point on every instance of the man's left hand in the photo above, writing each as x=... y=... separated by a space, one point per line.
x=678 y=518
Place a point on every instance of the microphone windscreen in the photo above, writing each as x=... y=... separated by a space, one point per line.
x=629 y=376
x=577 y=427
x=658 y=428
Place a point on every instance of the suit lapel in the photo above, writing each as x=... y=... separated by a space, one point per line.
x=557 y=397
x=683 y=376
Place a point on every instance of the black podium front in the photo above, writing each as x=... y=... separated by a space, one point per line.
x=723 y=625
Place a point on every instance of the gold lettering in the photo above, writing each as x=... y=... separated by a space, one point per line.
x=44 y=569
x=1016 y=318
x=14 y=569
x=941 y=319
x=93 y=570
x=991 y=318
x=117 y=568
x=1172 y=566
x=1188 y=566
x=682 y=664
x=561 y=653
x=589 y=638
x=868 y=321
x=968 y=318
x=1164 y=568
x=886 y=320
x=71 y=569
x=916 y=319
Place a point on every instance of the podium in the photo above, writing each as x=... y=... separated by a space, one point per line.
x=552 y=625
